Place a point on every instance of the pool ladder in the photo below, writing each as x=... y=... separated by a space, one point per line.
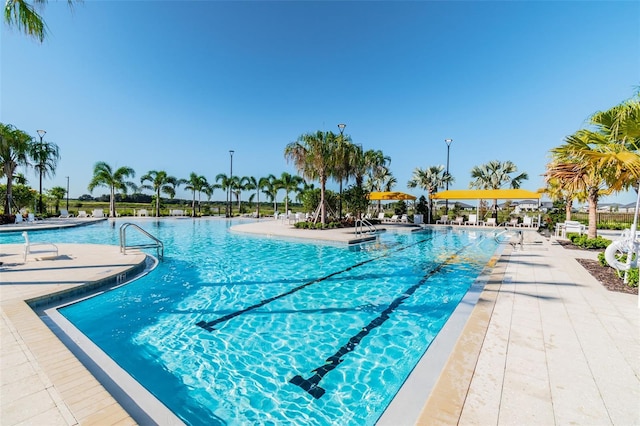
x=157 y=244
x=361 y=224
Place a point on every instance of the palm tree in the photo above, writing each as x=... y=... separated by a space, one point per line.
x=15 y=146
x=269 y=187
x=45 y=158
x=160 y=182
x=24 y=16
x=430 y=179
x=312 y=154
x=57 y=193
x=195 y=184
x=290 y=183
x=104 y=175
x=380 y=179
x=495 y=175
x=343 y=161
x=225 y=183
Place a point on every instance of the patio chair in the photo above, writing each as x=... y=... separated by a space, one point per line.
x=393 y=218
x=473 y=220
x=513 y=222
x=82 y=213
x=97 y=213
x=19 y=218
x=404 y=219
x=491 y=222
x=459 y=220
x=444 y=219
x=37 y=248
x=528 y=222
x=143 y=212
x=381 y=216
x=64 y=214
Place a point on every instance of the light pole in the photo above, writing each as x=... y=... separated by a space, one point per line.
x=446 y=201
x=41 y=133
x=67 y=194
x=341 y=126
x=230 y=180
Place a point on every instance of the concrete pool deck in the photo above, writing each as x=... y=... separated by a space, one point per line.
x=545 y=344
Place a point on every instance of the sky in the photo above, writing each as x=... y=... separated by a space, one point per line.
x=176 y=85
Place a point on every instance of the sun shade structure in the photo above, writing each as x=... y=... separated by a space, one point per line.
x=390 y=196
x=486 y=194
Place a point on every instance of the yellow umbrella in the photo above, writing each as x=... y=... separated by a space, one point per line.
x=374 y=196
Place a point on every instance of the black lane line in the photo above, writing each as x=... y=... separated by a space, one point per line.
x=311 y=384
x=210 y=326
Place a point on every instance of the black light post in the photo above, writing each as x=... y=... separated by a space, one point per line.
x=341 y=127
x=230 y=181
x=446 y=201
x=41 y=133
x=67 y=194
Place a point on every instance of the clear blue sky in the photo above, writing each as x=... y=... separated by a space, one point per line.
x=174 y=85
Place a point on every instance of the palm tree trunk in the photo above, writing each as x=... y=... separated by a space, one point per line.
x=567 y=209
x=593 y=207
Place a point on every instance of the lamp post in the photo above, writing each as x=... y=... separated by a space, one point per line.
x=341 y=126
x=41 y=133
x=67 y=193
x=230 y=180
x=446 y=201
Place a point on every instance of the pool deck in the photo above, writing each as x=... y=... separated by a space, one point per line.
x=545 y=344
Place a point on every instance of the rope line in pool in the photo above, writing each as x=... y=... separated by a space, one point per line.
x=210 y=325
x=311 y=384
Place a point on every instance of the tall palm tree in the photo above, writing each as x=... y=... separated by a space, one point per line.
x=290 y=183
x=380 y=179
x=160 y=182
x=15 y=146
x=104 y=175
x=430 y=179
x=45 y=158
x=343 y=160
x=312 y=154
x=23 y=15
x=57 y=193
x=196 y=184
x=225 y=183
x=269 y=187
x=495 y=175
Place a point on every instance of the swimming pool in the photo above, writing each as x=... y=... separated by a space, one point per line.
x=237 y=329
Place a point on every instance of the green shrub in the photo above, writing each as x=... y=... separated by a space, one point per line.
x=588 y=243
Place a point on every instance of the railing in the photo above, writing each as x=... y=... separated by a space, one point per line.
x=361 y=224
x=157 y=244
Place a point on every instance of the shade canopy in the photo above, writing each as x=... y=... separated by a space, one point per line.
x=486 y=194
x=390 y=196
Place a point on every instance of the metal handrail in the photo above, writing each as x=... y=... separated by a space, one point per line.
x=157 y=244
x=361 y=223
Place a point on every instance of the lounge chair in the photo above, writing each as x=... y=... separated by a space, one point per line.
x=513 y=222
x=37 y=248
x=473 y=220
x=64 y=214
x=572 y=226
x=458 y=220
x=393 y=219
x=31 y=218
x=491 y=222
x=381 y=216
x=19 y=218
x=82 y=213
x=143 y=212
x=444 y=219
x=97 y=213
x=528 y=222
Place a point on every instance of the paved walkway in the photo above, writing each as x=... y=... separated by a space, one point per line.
x=546 y=344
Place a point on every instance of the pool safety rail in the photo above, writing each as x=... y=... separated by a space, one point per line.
x=157 y=244
x=364 y=226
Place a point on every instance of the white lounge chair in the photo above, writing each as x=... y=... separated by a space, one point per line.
x=473 y=220
x=64 y=214
x=444 y=219
x=392 y=219
x=97 y=213
x=82 y=213
x=491 y=222
x=381 y=216
x=513 y=222
x=19 y=218
x=528 y=222
x=404 y=219
x=38 y=248
x=458 y=220
x=143 y=212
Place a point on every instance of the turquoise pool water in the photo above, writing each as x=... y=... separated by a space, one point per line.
x=239 y=329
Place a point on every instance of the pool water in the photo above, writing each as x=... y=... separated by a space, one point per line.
x=239 y=329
